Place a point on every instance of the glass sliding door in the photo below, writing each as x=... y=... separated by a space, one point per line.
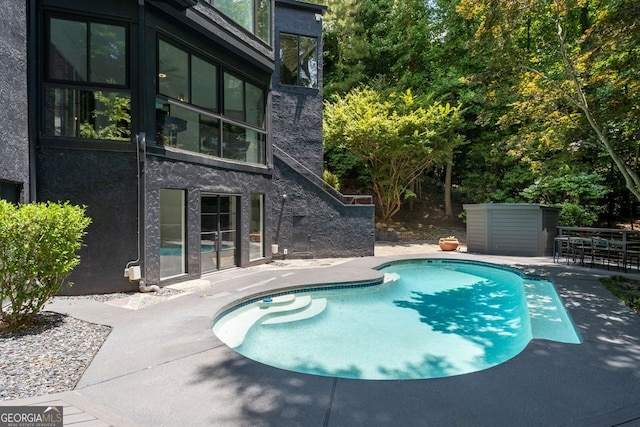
x=208 y=233
x=256 y=227
x=218 y=232
x=172 y=233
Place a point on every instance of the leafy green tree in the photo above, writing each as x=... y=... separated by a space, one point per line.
x=345 y=47
x=398 y=136
x=579 y=195
x=572 y=65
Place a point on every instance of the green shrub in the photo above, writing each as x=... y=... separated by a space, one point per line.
x=38 y=251
x=331 y=179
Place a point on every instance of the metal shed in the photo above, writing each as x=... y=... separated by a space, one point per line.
x=517 y=229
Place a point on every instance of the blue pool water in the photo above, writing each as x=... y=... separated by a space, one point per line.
x=430 y=319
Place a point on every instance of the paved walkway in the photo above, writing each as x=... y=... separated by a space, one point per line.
x=162 y=365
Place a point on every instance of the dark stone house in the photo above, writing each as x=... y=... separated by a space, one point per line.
x=190 y=129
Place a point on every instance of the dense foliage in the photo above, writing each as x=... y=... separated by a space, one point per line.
x=397 y=136
x=38 y=251
x=550 y=89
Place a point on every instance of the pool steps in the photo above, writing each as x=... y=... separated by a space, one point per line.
x=316 y=307
x=390 y=277
x=281 y=309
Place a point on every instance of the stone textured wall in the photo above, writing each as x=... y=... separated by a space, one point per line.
x=14 y=142
x=105 y=182
x=197 y=179
x=311 y=220
x=297 y=111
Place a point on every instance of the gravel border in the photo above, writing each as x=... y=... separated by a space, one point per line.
x=49 y=357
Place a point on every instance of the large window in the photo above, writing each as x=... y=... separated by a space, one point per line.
x=256 y=227
x=298 y=60
x=173 y=250
x=188 y=114
x=253 y=15
x=86 y=80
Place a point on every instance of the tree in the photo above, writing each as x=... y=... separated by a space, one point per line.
x=577 y=76
x=398 y=136
x=344 y=47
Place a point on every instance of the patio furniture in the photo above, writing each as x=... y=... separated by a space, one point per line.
x=561 y=248
x=600 y=250
x=579 y=248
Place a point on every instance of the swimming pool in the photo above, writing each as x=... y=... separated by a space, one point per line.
x=427 y=319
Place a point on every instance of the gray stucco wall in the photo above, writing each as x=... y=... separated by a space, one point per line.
x=197 y=179
x=14 y=142
x=297 y=111
x=310 y=220
x=105 y=182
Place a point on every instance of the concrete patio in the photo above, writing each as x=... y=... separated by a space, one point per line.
x=162 y=365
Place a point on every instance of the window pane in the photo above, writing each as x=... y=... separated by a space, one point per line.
x=235 y=142
x=204 y=78
x=233 y=97
x=172 y=233
x=87 y=114
x=187 y=129
x=288 y=59
x=108 y=54
x=68 y=50
x=254 y=105
x=263 y=30
x=209 y=135
x=208 y=233
x=256 y=147
x=256 y=227
x=308 y=76
x=240 y=11
x=173 y=72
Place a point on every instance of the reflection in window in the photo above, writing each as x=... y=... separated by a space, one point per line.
x=87 y=114
x=253 y=15
x=298 y=60
x=245 y=145
x=254 y=102
x=233 y=97
x=173 y=72
x=87 y=52
x=204 y=84
x=256 y=227
x=187 y=129
x=172 y=233
x=188 y=112
x=94 y=55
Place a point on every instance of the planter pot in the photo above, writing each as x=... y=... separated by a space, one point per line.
x=448 y=245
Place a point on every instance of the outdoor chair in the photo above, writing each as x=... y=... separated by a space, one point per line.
x=561 y=248
x=600 y=251
x=579 y=248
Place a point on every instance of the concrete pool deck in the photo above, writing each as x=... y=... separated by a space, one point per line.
x=162 y=366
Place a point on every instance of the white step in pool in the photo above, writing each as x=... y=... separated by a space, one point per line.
x=316 y=307
x=234 y=336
